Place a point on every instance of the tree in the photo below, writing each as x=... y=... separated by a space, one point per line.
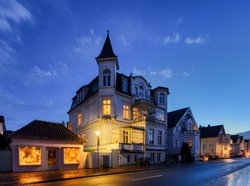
x=4 y=142
x=186 y=153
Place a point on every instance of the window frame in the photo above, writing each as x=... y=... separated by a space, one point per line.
x=106 y=105
x=151 y=135
x=126 y=114
x=106 y=78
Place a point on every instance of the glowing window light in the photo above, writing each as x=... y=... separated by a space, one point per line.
x=106 y=106
x=71 y=155
x=29 y=155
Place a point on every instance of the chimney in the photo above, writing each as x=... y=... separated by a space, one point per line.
x=208 y=125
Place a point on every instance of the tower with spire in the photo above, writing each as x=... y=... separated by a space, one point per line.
x=125 y=113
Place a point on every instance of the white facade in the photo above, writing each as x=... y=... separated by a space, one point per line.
x=184 y=131
x=131 y=117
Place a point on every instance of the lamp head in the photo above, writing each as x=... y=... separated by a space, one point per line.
x=97 y=133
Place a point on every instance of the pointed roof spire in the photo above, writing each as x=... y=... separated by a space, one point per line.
x=107 y=50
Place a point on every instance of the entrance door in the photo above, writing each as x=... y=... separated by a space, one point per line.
x=52 y=158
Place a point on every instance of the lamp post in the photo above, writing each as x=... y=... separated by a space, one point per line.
x=98 y=143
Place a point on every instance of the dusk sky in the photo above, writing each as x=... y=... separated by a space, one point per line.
x=200 y=50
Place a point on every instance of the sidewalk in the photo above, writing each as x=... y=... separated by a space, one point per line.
x=46 y=176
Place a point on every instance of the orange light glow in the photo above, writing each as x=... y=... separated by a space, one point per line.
x=71 y=155
x=29 y=155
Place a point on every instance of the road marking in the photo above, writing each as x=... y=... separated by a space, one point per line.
x=149 y=177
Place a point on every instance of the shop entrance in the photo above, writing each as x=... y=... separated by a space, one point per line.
x=52 y=158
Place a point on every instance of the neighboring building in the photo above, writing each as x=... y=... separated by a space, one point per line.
x=129 y=115
x=237 y=146
x=42 y=145
x=214 y=141
x=182 y=128
x=2 y=125
x=247 y=147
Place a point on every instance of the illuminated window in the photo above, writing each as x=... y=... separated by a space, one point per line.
x=125 y=112
x=136 y=113
x=162 y=98
x=106 y=77
x=71 y=155
x=69 y=126
x=79 y=119
x=106 y=107
x=124 y=84
x=159 y=137
x=29 y=155
x=151 y=136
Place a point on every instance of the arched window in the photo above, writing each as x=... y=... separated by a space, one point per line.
x=141 y=91
x=162 y=98
x=106 y=77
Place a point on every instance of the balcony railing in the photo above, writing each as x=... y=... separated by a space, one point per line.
x=190 y=132
x=131 y=147
x=143 y=97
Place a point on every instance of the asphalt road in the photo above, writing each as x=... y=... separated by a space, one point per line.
x=211 y=173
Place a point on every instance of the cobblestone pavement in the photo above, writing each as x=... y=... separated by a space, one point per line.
x=39 y=177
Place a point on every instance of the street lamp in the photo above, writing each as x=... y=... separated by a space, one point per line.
x=98 y=143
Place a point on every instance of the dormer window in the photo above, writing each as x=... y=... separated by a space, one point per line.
x=162 y=98
x=124 y=84
x=106 y=78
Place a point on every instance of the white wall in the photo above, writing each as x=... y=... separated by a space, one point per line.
x=43 y=144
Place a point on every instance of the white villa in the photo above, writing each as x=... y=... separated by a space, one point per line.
x=182 y=128
x=129 y=117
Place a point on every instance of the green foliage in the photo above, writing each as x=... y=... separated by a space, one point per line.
x=186 y=155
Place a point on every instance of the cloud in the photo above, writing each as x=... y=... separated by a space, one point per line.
x=87 y=46
x=50 y=104
x=165 y=73
x=195 y=41
x=52 y=70
x=86 y=41
x=43 y=73
x=12 y=10
x=124 y=41
x=172 y=39
x=139 y=72
x=185 y=74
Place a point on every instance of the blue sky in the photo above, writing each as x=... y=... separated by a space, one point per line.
x=199 y=49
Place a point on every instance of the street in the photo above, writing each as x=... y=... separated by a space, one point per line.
x=224 y=172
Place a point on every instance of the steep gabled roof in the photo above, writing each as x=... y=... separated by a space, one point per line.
x=210 y=131
x=175 y=116
x=107 y=50
x=234 y=138
x=44 y=130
